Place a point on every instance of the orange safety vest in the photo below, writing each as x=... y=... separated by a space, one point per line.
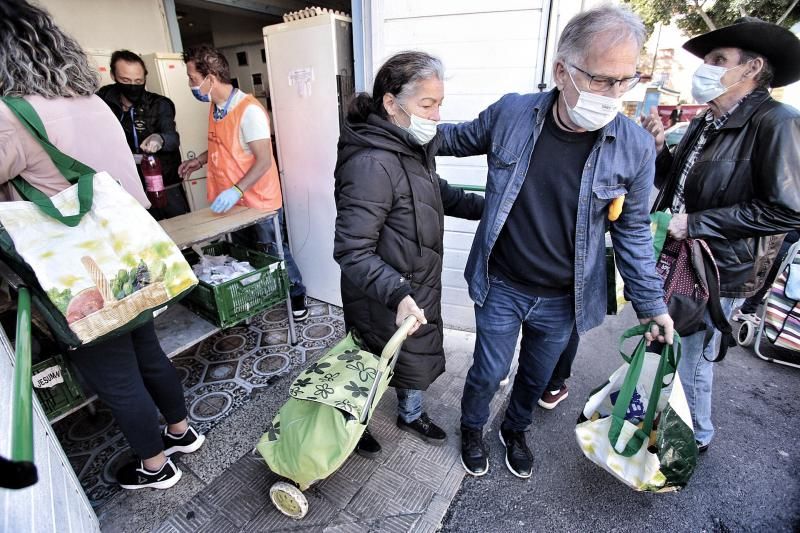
x=228 y=162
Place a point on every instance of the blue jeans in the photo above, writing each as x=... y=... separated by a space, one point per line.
x=546 y=324
x=409 y=404
x=697 y=374
x=265 y=232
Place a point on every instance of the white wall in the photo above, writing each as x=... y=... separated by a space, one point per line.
x=244 y=74
x=138 y=25
x=488 y=49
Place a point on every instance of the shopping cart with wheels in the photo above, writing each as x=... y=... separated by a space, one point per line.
x=319 y=426
x=780 y=314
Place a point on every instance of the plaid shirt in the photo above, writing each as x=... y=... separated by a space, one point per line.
x=712 y=125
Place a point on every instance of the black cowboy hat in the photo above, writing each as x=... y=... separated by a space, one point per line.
x=780 y=46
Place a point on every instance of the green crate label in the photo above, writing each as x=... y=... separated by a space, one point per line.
x=49 y=377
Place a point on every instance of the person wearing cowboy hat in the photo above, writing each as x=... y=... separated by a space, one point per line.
x=734 y=180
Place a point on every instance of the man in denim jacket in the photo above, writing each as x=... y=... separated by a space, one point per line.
x=556 y=161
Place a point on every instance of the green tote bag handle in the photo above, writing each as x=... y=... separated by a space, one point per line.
x=668 y=364
x=72 y=170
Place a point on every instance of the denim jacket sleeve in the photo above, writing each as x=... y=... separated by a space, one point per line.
x=470 y=138
x=633 y=245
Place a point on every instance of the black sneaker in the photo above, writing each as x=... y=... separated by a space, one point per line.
x=189 y=442
x=425 y=429
x=702 y=448
x=519 y=458
x=473 y=452
x=299 y=309
x=367 y=446
x=134 y=476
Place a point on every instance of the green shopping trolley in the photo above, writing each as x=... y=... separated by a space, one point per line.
x=319 y=426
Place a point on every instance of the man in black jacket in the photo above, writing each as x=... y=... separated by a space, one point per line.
x=148 y=120
x=734 y=180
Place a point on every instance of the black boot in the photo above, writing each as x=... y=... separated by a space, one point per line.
x=367 y=446
x=424 y=428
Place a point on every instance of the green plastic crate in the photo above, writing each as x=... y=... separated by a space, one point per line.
x=55 y=386
x=240 y=298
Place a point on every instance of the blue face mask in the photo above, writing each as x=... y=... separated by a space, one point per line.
x=200 y=96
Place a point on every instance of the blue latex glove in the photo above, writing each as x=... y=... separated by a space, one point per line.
x=225 y=200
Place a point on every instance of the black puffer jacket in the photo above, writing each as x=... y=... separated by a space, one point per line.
x=389 y=230
x=743 y=191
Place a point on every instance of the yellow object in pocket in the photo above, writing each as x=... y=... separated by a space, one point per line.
x=615 y=208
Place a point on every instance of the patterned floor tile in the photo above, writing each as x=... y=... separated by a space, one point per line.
x=218 y=377
x=229 y=345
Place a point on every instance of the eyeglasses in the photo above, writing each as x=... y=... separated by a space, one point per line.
x=604 y=84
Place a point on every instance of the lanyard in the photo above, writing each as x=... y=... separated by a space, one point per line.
x=219 y=114
x=135 y=135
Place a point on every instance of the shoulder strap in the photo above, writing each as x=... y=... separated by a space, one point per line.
x=72 y=170
x=715 y=311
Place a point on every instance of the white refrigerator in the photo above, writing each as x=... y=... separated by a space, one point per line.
x=310 y=66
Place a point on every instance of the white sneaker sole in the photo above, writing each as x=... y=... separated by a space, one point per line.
x=548 y=406
x=193 y=447
x=167 y=483
x=500 y=434
x=475 y=474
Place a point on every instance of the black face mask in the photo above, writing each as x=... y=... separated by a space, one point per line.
x=131 y=91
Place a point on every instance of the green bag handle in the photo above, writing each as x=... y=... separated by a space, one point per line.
x=661 y=220
x=72 y=170
x=667 y=365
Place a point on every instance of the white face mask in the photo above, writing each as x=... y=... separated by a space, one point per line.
x=591 y=111
x=707 y=82
x=422 y=129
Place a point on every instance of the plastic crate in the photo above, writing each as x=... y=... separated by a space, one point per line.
x=55 y=386
x=240 y=298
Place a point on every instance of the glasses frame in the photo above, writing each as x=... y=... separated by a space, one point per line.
x=633 y=80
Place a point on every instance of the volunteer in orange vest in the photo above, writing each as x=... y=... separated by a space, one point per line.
x=239 y=156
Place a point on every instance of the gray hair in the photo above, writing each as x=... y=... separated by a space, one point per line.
x=399 y=76
x=37 y=58
x=423 y=67
x=620 y=23
x=764 y=78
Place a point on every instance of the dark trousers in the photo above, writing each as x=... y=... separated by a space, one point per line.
x=546 y=325
x=133 y=376
x=563 y=369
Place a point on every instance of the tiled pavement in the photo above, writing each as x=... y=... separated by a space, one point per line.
x=408 y=488
x=220 y=375
x=235 y=382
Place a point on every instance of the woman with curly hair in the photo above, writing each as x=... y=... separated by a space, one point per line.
x=130 y=373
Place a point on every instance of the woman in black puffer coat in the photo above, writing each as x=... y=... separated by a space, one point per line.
x=390 y=225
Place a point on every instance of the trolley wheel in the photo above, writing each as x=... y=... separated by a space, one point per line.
x=288 y=499
x=747 y=334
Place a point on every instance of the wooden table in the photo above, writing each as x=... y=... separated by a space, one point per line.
x=204 y=225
